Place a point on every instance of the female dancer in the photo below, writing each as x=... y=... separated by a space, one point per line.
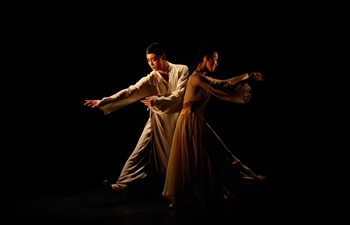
x=201 y=170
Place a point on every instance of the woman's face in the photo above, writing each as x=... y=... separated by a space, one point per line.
x=212 y=62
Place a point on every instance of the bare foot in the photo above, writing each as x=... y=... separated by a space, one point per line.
x=116 y=187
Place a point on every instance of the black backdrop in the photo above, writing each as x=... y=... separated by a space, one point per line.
x=88 y=53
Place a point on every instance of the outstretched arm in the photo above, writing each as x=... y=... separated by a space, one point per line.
x=235 y=89
x=141 y=89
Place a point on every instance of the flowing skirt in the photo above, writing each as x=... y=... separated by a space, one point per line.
x=201 y=170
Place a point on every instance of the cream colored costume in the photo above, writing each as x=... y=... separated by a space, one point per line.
x=153 y=147
x=201 y=169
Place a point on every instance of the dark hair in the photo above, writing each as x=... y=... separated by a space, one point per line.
x=204 y=49
x=155 y=48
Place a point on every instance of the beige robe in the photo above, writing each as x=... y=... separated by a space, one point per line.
x=153 y=147
x=201 y=169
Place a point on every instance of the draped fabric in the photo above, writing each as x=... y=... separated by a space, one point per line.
x=201 y=169
x=152 y=150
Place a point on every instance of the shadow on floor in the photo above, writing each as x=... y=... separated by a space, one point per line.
x=99 y=206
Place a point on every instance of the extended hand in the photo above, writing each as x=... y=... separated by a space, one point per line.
x=91 y=103
x=148 y=101
x=256 y=76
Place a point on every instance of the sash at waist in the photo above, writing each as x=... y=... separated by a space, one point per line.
x=190 y=107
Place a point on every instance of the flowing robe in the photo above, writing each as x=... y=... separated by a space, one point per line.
x=201 y=169
x=152 y=150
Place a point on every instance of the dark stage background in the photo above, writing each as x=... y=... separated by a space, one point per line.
x=83 y=53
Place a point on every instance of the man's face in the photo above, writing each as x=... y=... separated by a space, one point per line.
x=154 y=61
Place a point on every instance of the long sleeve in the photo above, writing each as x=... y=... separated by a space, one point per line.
x=143 y=88
x=232 y=89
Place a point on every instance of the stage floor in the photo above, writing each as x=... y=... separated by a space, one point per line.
x=100 y=206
